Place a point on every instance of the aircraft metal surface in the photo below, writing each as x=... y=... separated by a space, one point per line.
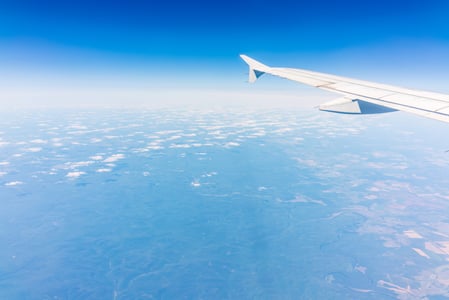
x=358 y=96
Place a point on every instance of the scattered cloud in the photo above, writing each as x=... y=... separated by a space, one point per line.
x=75 y=174
x=13 y=183
x=195 y=183
x=96 y=157
x=114 y=157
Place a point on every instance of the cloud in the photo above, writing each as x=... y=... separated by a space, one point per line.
x=421 y=253
x=231 y=144
x=13 y=183
x=75 y=174
x=303 y=199
x=96 y=157
x=75 y=165
x=114 y=157
x=180 y=146
x=38 y=141
x=195 y=183
x=411 y=234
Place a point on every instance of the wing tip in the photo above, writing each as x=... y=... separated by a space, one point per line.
x=256 y=69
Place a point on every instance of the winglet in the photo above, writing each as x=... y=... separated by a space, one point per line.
x=256 y=69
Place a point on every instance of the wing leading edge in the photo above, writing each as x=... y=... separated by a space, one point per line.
x=358 y=96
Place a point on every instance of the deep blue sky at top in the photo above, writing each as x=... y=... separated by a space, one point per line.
x=219 y=28
x=50 y=32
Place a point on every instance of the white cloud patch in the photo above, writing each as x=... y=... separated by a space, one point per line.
x=13 y=183
x=180 y=146
x=114 y=157
x=77 y=126
x=411 y=234
x=38 y=141
x=195 y=183
x=104 y=170
x=74 y=174
x=75 y=165
x=303 y=199
x=34 y=149
x=421 y=253
x=175 y=137
x=209 y=174
x=307 y=162
x=96 y=157
x=4 y=163
x=231 y=144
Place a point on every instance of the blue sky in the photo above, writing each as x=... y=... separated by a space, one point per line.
x=47 y=47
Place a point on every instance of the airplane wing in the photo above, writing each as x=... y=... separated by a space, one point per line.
x=358 y=96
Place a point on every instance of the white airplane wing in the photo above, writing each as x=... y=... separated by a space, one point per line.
x=361 y=97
